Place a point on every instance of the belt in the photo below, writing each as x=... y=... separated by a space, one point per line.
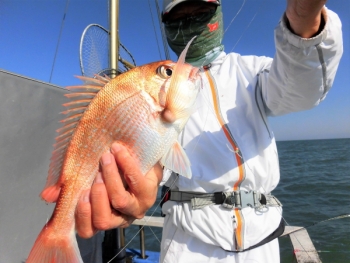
x=232 y=199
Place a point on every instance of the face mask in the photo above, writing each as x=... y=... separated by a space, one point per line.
x=206 y=47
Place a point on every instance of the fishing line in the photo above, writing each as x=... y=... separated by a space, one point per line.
x=323 y=251
x=296 y=237
x=281 y=214
x=246 y=28
x=146 y=221
x=59 y=39
x=302 y=228
x=244 y=31
x=154 y=28
x=209 y=108
x=313 y=224
x=318 y=222
x=154 y=234
x=165 y=44
x=239 y=10
x=206 y=100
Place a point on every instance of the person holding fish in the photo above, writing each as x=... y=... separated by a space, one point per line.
x=225 y=212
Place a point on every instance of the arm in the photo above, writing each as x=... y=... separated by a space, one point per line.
x=303 y=69
x=112 y=202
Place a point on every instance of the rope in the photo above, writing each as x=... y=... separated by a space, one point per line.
x=128 y=52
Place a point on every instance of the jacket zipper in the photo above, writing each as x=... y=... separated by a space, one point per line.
x=239 y=158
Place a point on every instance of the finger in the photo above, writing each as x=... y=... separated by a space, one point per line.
x=119 y=198
x=83 y=216
x=142 y=188
x=129 y=167
x=103 y=216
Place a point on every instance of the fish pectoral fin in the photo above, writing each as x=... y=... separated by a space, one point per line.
x=176 y=160
x=50 y=194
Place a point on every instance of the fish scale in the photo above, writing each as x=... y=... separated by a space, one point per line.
x=126 y=109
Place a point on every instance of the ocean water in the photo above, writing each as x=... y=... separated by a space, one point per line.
x=314 y=186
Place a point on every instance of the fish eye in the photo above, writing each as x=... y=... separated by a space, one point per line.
x=164 y=71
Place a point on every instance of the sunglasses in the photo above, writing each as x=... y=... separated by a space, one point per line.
x=185 y=21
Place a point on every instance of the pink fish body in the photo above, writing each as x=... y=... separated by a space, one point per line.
x=127 y=109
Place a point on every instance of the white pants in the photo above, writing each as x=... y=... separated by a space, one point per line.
x=179 y=247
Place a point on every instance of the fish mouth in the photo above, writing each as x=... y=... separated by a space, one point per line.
x=194 y=74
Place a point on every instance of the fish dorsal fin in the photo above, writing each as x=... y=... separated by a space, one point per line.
x=173 y=100
x=79 y=101
x=177 y=161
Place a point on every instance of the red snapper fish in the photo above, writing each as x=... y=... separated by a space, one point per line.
x=145 y=109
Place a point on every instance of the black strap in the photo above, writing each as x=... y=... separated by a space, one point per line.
x=219 y=198
x=165 y=195
x=275 y=234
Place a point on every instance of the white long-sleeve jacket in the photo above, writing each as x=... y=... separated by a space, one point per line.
x=228 y=139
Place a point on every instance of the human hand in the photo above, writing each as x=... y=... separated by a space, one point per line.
x=304 y=16
x=117 y=197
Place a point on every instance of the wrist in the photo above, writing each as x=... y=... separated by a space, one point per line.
x=306 y=26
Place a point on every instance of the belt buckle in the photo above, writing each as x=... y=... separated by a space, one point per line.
x=240 y=199
x=248 y=199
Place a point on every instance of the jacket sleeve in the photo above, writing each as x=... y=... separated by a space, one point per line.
x=303 y=70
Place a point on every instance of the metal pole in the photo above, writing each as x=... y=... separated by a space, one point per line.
x=122 y=237
x=114 y=37
x=112 y=241
x=142 y=242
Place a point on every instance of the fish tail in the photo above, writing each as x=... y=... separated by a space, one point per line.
x=51 y=247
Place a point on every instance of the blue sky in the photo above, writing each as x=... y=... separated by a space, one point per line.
x=29 y=32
